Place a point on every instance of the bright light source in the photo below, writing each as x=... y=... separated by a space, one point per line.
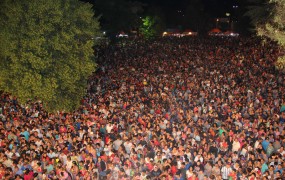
x=190 y=33
x=104 y=32
x=123 y=35
x=164 y=33
x=218 y=20
x=228 y=14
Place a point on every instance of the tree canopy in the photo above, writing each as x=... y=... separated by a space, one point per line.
x=259 y=12
x=46 y=50
x=147 y=28
x=268 y=16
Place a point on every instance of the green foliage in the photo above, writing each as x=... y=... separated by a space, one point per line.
x=271 y=23
x=274 y=27
x=148 y=27
x=159 y=17
x=46 y=50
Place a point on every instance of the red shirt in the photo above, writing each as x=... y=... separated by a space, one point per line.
x=149 y=166
x=173 y=170
x=29 y=176
x=191 y=178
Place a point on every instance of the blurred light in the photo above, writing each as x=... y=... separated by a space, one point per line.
x=190 y=33
x=164 y=33
x=228 y=14
x=218 y=20
x=104 y=32
x=123 y=35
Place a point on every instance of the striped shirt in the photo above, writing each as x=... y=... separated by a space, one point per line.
x=226 y=171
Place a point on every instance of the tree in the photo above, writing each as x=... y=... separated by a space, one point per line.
x=158 y=16
x=148 y=27
x=258 y=11
x=48 y=50
x=269 y=20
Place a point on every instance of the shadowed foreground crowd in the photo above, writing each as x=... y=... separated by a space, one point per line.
x=176 y=109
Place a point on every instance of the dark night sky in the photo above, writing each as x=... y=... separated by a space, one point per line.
x=214 y=8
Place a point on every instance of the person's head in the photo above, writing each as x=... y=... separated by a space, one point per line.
x=18 y=177
x=266 y=173
x=278 y=174
x=155 y=168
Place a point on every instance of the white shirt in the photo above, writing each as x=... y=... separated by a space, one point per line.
x=197 y=158
x=63 y=157
x=109 y=127
x=68 y=164
x=236 y=146
x=189 y=174
x=226 y=171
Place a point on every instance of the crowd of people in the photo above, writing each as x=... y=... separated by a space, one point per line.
x=173 y=108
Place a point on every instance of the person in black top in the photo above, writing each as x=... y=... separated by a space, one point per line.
x=156 y=172
x=213 y=149
x=102 y=168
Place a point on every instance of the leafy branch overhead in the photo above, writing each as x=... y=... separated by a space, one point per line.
x=268 y=16
x=46 y=50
